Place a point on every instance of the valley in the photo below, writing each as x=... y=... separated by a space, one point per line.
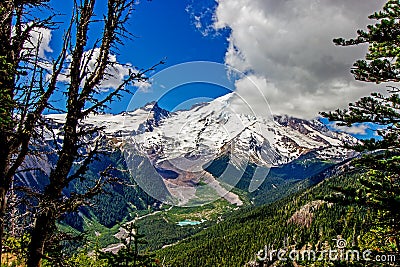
x=187 y=191
x=191 y=169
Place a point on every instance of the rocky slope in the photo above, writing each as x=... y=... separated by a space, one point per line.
x=175 y=149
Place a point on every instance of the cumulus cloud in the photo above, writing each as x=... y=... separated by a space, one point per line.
x=40 y=37
x=357 y=129
x=286 y=47
x=39 y=40
x=116 y=73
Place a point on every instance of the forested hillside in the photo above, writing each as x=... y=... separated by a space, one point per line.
x=311 y=219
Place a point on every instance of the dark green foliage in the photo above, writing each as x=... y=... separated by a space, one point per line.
x=129 y=255
x=381 y=63
x=280 y=182
x=236 y=240
x=380 y=184
x=290 y=178
x=120 y=199
x=74 y=220
x=159 y=232
x=377 y=109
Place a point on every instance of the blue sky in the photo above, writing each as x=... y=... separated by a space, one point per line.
x=284 y=47
x=163 y=30
x=166 y=31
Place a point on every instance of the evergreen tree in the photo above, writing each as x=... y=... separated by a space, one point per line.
x=381 y=158
x=129 y=255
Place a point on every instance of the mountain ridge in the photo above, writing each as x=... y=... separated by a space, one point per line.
x=181 y=144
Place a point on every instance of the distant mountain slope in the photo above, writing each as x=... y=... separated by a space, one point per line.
x=183 y=147
x=191 y=157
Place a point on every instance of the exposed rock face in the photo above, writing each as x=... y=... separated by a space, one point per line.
x=180 y=145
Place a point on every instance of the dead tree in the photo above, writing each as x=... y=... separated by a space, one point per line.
x=27 y=83
x=23 y=97
x=81 y=143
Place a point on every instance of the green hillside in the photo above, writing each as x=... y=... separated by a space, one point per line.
x=304 y=220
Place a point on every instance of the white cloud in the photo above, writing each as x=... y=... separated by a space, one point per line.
x=201 y=15
x=39 y=39
x=358 y=129
x=116 y=73
x=287 y=47
x=143 y=86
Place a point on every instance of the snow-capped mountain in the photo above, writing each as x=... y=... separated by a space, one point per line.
x=212 y=129
x=182 y=144
x=126 y=123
